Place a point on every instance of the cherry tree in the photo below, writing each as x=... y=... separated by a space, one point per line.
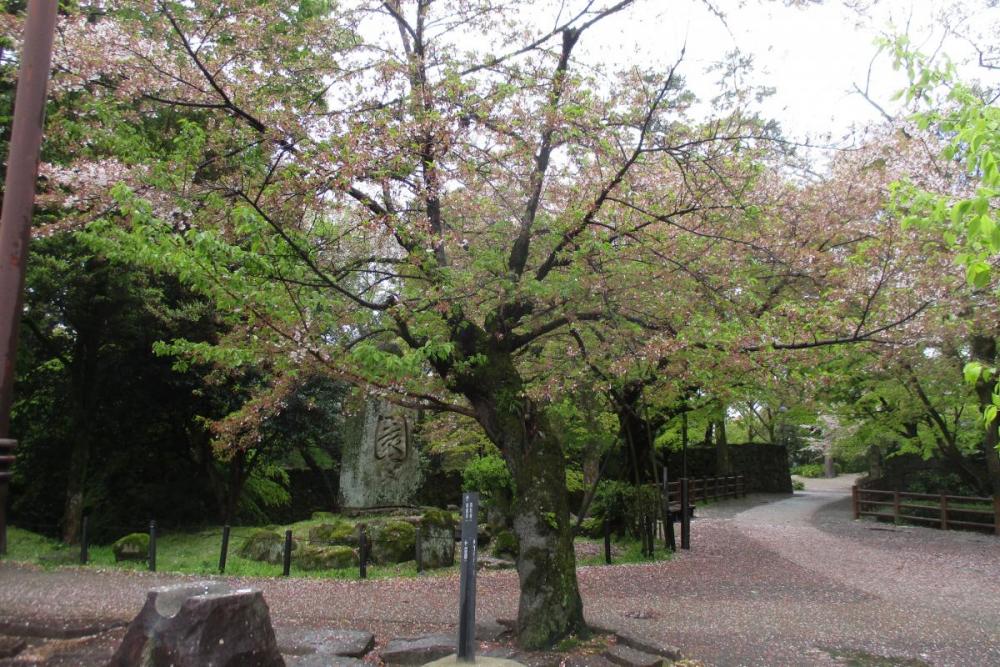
x=438 y=201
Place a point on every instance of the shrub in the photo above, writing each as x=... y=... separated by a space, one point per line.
x=615 y=501
x=489 y=476
x=505 y=544
x=811 y=470
x=798 y=485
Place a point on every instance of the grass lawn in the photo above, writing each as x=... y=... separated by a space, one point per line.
x=197 y=553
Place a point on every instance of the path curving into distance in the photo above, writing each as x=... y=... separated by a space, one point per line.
x=771 y=580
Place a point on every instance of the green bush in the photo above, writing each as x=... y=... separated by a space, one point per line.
x=489 y=476
x=592 y=527
x=811 y=470
x=615 y=502
x=798 y=485
x=505 y=544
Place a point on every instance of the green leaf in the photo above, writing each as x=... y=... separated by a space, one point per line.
x=972 y=371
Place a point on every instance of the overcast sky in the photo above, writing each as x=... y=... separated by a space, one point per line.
x=811 y=55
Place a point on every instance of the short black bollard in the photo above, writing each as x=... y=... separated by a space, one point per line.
x=84 y=541
x=363 y=550
x=669 y=538
x=418 y=549
x=607 y=542
x=287 y=566
x=650 y=538
x=685 y=515
x=225 y=550
x=152 y=546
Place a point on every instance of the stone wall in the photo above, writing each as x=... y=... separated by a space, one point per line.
x=764 y=467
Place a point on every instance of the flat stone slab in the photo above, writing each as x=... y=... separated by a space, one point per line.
x=649 y=646
x=630 y=657
x=317 y=660
x=491 y=563
x=327 y=642
x=588 y=661
x=484 y=660
x=418 y=650
x=11 y=646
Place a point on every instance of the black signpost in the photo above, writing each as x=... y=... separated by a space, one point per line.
x=467 y=588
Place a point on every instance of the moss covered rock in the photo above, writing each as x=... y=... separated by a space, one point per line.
x=505 y=545
x=265 y=545
x=437 y=538
x=392 y=541
x=337 y=532
x=131 y=547
x=326 y=558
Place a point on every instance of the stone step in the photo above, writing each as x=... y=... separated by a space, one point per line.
x=649 y=646
x=418 y=650
x=588 y=661
x=630 y=657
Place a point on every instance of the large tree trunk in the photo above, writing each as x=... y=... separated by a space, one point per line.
x=550 y=607
x=75 y=487
x=984 y=350
x=85 y=391
x=723 y=460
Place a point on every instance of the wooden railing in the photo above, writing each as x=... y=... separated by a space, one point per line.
x=935 y=510
x=708 y=488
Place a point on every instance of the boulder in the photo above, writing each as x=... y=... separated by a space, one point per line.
x=328 y=643
x=265 y=545
x=189 y=625
x=437 y=539
x=326 y=558
x=392 y=542
x=336 y=532
x=131 y=547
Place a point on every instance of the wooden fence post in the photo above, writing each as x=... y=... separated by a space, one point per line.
x=855 y=502
x=152 y=546
x=685 y=515
x=84 y=541
x=944 y=512
x=996 y=515
x=287 y=561
x=224 y=552
x=362 y=551
x=895 y=506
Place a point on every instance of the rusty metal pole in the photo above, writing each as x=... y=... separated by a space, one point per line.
x=19 y=200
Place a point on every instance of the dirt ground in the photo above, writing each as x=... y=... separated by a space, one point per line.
x=770 y=580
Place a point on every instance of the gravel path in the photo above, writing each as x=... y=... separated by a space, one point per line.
x=770 y=581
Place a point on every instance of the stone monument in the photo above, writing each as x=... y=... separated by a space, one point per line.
x=383 y=468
